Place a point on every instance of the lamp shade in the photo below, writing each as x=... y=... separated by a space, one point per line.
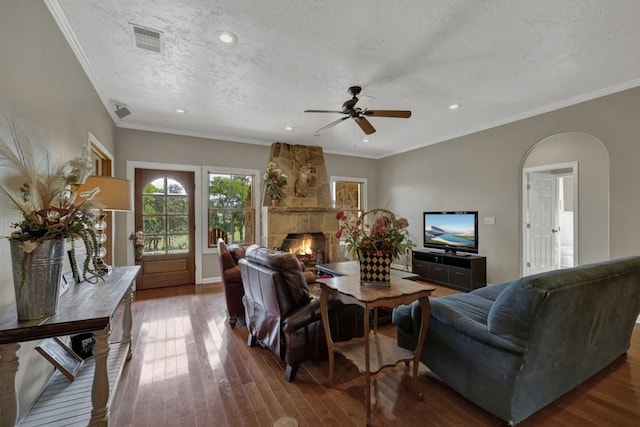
x=115 y=194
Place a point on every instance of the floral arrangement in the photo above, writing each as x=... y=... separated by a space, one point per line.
x=47 y=197
x=275 y=181
x=137 y=239
x=382 y=235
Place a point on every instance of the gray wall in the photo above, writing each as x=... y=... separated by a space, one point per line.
x=43 y=86
x=153 y=147
x=482 y=172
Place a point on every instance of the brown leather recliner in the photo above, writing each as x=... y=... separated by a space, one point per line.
x=281 y=314
x=231 y=278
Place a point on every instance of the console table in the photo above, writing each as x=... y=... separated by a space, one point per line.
x=385 y=352
x=84 y=307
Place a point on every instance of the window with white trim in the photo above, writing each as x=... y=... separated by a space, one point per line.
x=349 y=195
x=231 y=206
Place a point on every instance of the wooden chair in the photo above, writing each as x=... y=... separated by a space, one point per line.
x=215 y=234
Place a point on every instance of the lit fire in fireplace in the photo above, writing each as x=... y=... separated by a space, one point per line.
x=303 y=252
x=304 y=248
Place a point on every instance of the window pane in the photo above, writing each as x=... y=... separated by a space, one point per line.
x=178 y=224
x=348 y=195
x=155 y=245
x=155 y=187
x=177 y=204
x=174 y=187
x=153 y=204
x=153 y=225
x=230 y=206
x=178 y=244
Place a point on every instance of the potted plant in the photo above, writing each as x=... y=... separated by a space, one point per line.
x=52 y=211
x=375 y=238
x=275 y=181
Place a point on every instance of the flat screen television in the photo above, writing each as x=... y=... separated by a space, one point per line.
x=451 y=231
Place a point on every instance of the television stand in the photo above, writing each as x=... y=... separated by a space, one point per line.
x=463 y=272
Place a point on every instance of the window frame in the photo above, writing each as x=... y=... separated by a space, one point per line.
x=257 y=191
x=334 y=179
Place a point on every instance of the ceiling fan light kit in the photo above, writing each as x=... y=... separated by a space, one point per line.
x=357 y=109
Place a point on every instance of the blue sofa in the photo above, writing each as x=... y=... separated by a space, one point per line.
x=515 y=347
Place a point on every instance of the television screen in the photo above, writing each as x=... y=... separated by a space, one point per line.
x=451 y=231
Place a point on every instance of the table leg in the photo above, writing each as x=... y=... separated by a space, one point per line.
x=8 y=369
x=127 y=322
x=426 y=312
x=324 y=298
x=367 y=365
x=100 y=388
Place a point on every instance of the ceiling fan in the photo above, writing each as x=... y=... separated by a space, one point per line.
x=357 y=109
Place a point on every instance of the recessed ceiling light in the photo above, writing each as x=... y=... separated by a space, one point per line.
x=227 y=37
x=288 y=127
x=455 y=106
x=365 y=140
x=181 y=110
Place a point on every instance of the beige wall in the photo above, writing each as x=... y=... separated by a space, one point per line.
x=154 y=147
x=482 y=172
x=43 y=86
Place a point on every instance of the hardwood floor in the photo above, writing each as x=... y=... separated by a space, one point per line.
x=189 y=368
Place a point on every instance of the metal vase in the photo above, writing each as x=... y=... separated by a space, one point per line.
x=36 y=278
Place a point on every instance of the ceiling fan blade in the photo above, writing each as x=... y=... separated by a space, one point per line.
x=323 y=111
x=332 y=124
x=365 y=125
x=403 y=114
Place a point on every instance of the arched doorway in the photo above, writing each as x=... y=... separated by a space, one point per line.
x=578 y=162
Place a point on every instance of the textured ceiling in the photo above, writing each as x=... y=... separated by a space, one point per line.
x=503 y=60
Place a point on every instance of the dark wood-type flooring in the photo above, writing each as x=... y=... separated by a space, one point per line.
x=189 y=368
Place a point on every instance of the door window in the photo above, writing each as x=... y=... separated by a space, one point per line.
x=165 y=217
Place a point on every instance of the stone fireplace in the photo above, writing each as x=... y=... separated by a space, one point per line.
x=308 y=207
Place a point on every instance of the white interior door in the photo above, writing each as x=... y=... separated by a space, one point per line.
x=542 y=229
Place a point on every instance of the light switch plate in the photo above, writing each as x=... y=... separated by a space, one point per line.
x=490 y=220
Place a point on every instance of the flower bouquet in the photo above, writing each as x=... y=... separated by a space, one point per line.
x=138 y=244
x=375 y=238
x=275 y=181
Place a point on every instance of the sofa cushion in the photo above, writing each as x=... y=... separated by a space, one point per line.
x=514 y=310
x=289 y=268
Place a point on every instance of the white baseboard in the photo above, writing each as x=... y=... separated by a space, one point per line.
x=208 y=280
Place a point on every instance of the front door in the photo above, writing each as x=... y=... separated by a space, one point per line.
x=164 y=211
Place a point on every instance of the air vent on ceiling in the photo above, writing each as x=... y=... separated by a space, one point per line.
x=148 y=39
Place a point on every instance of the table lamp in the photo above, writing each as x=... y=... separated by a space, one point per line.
x=115 y=195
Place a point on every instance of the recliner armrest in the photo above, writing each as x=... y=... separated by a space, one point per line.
x=302 y=316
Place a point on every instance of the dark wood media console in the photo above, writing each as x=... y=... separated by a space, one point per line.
x=462 y=272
